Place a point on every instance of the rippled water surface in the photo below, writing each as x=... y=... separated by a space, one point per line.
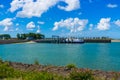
x=89 y=55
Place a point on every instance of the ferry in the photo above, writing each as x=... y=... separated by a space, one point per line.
x=70 y=40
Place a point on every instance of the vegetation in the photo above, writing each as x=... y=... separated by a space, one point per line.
x=9 y=73
x=30 y=36
x=86 y=75
x=5 y=36
x=70 y=66
x=36 y=62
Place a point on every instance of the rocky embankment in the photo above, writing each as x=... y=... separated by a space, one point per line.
x=64 y=71
x=12 y=41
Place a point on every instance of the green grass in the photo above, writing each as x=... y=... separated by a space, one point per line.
x=36 y=62
x=87 y=75
x=9 y=73
x=70 y=66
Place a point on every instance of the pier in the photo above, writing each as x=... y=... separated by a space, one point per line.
x=57 y=39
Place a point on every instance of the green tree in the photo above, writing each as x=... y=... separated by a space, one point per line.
x=18 y=36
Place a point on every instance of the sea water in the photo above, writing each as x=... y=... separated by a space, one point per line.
x=102 y=56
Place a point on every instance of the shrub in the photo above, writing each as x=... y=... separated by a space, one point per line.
x=86 y=75
x=40 y=76
x=6 y=71
x=70 y=66
x=1 y=61
x=36 y=62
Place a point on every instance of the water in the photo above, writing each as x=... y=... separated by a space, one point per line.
x=89 y=55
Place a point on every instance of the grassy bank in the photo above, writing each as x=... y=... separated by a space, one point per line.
x=19 y=71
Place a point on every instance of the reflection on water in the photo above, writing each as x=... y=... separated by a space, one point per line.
x=88 y=55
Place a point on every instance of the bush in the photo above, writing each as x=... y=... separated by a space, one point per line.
x=6 y=71
x=86 y=75
x=1 y=61
x=36 y=62
x=70 y=66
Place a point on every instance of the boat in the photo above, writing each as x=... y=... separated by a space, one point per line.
x=70 y=40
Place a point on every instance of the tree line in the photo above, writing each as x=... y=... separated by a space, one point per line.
x=5 y=36
x=30 y=36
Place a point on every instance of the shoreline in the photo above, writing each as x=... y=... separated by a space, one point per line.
x=115 y=40
x=60 y=70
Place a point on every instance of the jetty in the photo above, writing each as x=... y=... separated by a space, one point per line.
x=70 y=40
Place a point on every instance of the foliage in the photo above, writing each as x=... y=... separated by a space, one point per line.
x=86 y=75
x=30 y=36
x=18 y=36
x=70 y=66
x=5 y=36
x=9 y=73
x=36 y=62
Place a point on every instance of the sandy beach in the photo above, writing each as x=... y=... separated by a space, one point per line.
x=115 y=40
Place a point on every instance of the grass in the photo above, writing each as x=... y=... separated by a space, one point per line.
x=86 y=75
x=36 y=62
x=70 y=66
x=9 y=73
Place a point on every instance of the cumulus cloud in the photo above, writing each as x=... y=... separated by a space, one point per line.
x=17 y=29
x=7 y=23
x=38 y=30
x=31 y=8
x=117 y=22
x=104 y=24
x=40 y=22
x=17 y=24
x=72 y=24
x=72 y=5
x=30 y=25
x=112 y=5
x=91 y=26
x=1 y=6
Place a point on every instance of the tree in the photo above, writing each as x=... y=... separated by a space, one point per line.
x=5 y=36
x=18 y=36
x=30 y=36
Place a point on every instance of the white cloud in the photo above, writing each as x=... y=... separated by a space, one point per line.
x=38 y=30
x=7 y=23
x=72 y=24
x=104 y=24
x=112 y=5
x=1 y=6
x=117 y=22
x=91 y=26
x=39 y=22
x=72 y=5
x=30 y=25
x=80 y=13
x=17 y=29
x=31 y=8
x=17 y=24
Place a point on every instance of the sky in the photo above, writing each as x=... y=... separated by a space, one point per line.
x=65 y=18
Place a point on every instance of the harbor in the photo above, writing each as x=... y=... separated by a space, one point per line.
x=74 y=40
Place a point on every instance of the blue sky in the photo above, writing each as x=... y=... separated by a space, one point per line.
x=79 y=18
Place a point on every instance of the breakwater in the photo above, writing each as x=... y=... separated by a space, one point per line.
x=56 y=41
x=97 y=40
x=12 y=41
x=82 y=41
